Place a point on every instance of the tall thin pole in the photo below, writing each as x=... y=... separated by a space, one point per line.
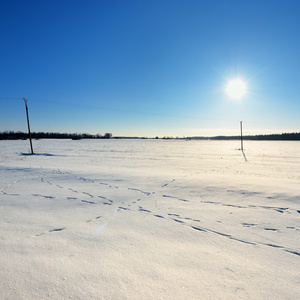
x=242 y=135
x=25 y=100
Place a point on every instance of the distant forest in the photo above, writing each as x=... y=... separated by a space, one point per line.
x=262 y=137
x=12 y=135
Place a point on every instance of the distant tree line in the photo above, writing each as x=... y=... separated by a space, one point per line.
x=263 y=137
x=12 y=135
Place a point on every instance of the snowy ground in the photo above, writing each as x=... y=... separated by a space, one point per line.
x=149 y=219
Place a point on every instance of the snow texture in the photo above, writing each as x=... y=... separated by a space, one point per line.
x=150 y=219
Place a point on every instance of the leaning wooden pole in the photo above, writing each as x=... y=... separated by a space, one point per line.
x=242 y=135
x=25 y=100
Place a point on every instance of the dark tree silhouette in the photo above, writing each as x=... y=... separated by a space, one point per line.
x=12 y=135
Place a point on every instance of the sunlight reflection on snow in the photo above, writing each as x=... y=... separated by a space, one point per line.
x=99 y=229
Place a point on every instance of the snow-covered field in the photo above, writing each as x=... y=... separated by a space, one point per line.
x=150 y=219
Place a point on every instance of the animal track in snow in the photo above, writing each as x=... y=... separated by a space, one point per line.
x=57 y=229
x=138 y=190
x=248 y=224
x=292 y=252
x=173 y=197
x=90 y=195
x=51 y=230
x=91 y=220
x=43 y=196
x=124 y=208
x=89 y=202
x=144 y=210
x=104 y=198
x=110 y=186
x=159 y=216
x=173 y=215
x=197 y=228
x=178 y=221
x=225 y=235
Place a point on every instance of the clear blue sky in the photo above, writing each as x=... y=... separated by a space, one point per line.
x=149 y=68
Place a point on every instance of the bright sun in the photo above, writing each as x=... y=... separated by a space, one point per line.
x=236 y=89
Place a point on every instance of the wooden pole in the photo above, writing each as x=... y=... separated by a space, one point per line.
x=242 y=135
x=25 y=100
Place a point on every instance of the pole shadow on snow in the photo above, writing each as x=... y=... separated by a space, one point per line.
x=244 y=155
x=37 y=154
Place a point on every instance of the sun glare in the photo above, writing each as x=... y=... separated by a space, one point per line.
x=236 y=89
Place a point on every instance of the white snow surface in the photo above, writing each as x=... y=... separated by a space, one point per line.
x=150 y=219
